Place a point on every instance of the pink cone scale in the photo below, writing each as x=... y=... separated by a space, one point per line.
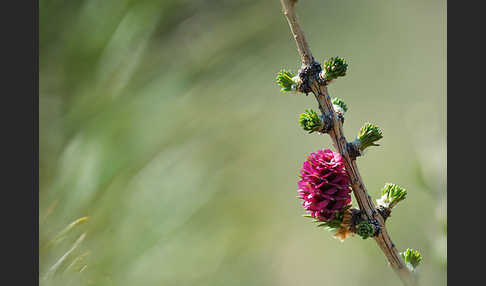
x=324 y=186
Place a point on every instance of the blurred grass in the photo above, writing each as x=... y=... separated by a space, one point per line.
x=161 y=121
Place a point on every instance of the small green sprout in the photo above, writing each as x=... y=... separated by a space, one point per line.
x=310 y=121
x=334 y=67
x=339 y=105
x=285 y=79
x=412 y=258
x=391 y=195
x=365 y=229
x=368 y=135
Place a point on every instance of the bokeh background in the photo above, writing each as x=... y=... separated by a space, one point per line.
x=168 y=147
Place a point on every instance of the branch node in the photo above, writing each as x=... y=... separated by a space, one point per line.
x=341 y=117
x=384 y=212
x=327 y=123
x=356 y=218
x=308 y=74
x=376 y=225
x=353 y=150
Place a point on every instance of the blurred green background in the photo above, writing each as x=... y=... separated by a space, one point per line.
x=161 y=122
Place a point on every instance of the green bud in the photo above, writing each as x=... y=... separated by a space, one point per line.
x=365 y=229
x=368 y=135
x=339 y=105
x=412 y=258
x=285 y=79
x=310 y=121
x=391 y=195
x=334 y=67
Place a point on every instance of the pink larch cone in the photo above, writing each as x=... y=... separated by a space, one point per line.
x=324 y=185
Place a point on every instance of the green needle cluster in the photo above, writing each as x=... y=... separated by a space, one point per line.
x=391 y=195
x=310 y=121
x=339 y=105
x=365 y=229
x=285 y=81
x=412 y=258
x=331 y=225
x=368 y=135
x=334 y=67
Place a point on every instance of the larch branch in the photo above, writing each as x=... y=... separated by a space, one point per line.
x=336 y=133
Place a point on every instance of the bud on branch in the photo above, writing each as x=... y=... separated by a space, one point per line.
x=391 y=195
x=333 y=68
x=339 y=106
x=365 y=229
x=310 y=121
x=412 y=258
x=368 y=135
x=285 y=79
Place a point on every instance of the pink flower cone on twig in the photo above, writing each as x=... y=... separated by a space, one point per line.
x=324 y=185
